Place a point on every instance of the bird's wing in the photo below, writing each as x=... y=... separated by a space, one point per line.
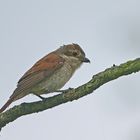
x=44 y=68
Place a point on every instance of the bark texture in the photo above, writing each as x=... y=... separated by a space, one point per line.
x=97 y=80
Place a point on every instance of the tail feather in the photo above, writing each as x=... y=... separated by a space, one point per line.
x=15 y=96
x=6 y=104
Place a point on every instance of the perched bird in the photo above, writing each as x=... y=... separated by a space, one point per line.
x=50 y=73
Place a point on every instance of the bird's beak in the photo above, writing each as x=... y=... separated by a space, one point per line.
x=86 y=60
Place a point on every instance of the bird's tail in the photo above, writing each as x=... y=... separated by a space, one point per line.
x=6 y=104
x=15 y=96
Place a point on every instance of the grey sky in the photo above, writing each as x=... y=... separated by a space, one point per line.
x=108 y=31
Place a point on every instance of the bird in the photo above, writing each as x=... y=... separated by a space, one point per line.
x=50 y=73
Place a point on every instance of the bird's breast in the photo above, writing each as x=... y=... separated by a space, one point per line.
x=54 y=82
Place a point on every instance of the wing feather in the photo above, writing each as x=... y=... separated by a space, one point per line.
x=44 y=68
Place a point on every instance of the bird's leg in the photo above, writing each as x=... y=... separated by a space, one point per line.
x=65 y=90
x=42 y=98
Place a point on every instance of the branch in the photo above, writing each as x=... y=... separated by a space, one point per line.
x=72 y=94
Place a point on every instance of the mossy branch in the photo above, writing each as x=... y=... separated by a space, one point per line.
x=73 y=94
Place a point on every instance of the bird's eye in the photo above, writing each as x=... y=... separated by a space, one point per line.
x=75 y=53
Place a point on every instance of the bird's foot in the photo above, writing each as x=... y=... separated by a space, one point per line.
x=63 y=91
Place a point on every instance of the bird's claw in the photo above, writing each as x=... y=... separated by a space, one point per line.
x=65 y=90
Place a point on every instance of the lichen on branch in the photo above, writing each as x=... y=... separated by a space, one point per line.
x=97 y=80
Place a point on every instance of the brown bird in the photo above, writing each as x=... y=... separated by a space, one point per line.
x=50 y=73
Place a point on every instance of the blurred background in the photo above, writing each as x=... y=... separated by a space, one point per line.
x=109 y=33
